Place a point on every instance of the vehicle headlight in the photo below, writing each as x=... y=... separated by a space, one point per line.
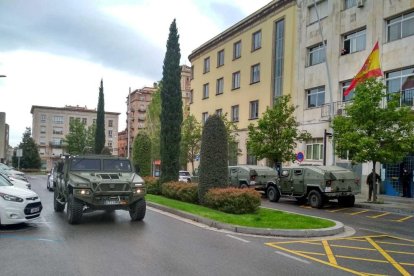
x=11 y=198
x=83 y=192
x=138 y=191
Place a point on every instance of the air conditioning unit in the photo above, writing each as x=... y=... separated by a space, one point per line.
x=360 y=3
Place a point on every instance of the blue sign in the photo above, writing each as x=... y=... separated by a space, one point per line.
x=300 y=156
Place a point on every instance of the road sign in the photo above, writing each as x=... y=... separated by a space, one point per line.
x=300 y=156
x=19 y=153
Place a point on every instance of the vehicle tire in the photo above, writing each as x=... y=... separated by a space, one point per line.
x=137 y=210
x=315 y=199
x=56 y=204
x=74 y=210
x=243 y=186
x=273 y=194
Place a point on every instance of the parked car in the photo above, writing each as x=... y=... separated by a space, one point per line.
x=50 y=177
x=17 y=205
x=184 y=176
x=12 y=172
x=16 y=182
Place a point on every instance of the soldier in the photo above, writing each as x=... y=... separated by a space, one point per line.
x=405 y=181
x=370 y=183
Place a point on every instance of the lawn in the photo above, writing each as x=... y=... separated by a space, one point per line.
x=264 y=218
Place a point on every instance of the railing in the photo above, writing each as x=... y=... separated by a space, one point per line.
x=406 y=97
x=338 y=109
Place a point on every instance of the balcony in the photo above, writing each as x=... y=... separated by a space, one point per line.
x=55 y=145
x=141 y=117
x=406 y=97
x=338 y=109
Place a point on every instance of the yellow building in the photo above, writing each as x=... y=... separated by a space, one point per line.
x=240 y=71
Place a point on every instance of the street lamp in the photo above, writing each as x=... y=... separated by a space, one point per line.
x=3 y=76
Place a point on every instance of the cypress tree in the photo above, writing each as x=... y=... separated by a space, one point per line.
x=213 y=156
x=100 y=122
x=171 y=109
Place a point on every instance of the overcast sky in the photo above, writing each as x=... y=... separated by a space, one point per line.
x=54 y=53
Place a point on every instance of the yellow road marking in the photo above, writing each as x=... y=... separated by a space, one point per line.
x=400 y=252
x=329 y=253
x=310 y=253
x=381 y=215
x=359 y=212
x=317 y=260
x=403 y=219
x=410 y=264
x=361 y=259
x=388 y=257
x=353 y=247
x=395 y=243
x=338 y=210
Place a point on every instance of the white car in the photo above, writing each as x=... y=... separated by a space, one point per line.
x=17 y=205
x=16 y=182
x=184 y=176
x=49 y=183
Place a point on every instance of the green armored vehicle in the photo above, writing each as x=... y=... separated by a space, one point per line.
x=251 y=176
x=98 y=182
x=317 y=184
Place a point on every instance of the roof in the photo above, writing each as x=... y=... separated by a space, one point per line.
x=70 y=108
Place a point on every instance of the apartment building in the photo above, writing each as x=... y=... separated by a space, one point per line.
x=50 y=125
x=242 y=70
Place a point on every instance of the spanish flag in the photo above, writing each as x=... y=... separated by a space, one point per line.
x=371 y=68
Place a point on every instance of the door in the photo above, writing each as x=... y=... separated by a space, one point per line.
x=298 y=181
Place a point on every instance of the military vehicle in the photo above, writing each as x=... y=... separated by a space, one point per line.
x=317 y=184
x=252 y=176
x=98 y=182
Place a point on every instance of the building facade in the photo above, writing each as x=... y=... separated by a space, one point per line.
x=50 y=125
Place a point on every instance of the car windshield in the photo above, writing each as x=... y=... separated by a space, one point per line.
x=117 y=165
x=4 y=181
x=78 y=164
x=184 y=173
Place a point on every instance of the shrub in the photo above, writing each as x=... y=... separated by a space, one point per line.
x=233 y=200
x=181 y=191
x=141 y=154
x=153 y=185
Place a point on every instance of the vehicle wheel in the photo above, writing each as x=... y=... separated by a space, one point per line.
x=137 y=210
x=273 y=194
x=315 y=199
x=56 y=204
x=244 y=186
x=74 y=210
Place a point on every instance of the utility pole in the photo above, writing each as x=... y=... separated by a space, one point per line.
x=128 y=124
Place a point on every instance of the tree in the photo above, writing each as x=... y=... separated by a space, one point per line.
x=171 y=109
x=31 y=157
x=232 y=144
x=276 y=133
x=80 y=138
x=191 y=139
x=371 y=132
x=100 y=122
x=141 y=154
x=154 y=123
x=213 y=156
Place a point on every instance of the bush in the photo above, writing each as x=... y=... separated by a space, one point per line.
x=153 y=185
x=233 y=200
x=187 y=192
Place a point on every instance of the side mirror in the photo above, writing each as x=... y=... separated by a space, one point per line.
x=137 y=169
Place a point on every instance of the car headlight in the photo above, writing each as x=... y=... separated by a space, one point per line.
x=11 y=198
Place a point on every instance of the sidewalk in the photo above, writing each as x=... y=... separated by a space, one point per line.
x=386 y=203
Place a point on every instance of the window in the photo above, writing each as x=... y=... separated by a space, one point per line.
x=350 y=3
x=400 y=27
x=316 y=97
x=109 y=144
x=219 y=112
x=354 y=42
x=322 y=7
x=206 y=65
x=279 y=58
x=220 y=58
x=58 y=119
x=205 y=90
x=204 y=117
x=255 y=73
x=42 y=129
x=235 y=82
x=316 y=54
x=191 y=96
x=43 y=118
x=235 y=113
x=256 y=40
x=314 y=149
x=94 y=121
x=401 y=81
x=84 y=121
x=251 y=159
x=56 y=141
x=219 y=86
x=237 y=50
x=254 y=110
x=110 y=133
x=42 y=140
x=58 y=130
x=110 y=123
x=351 y=94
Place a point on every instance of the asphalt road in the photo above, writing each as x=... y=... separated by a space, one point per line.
x=162 y=244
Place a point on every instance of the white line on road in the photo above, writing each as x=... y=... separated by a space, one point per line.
x=292 y=257
x=237 y=238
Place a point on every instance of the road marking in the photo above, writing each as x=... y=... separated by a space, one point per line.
x=388 y=257
x=329 y=252
x=292 y=257
x=396 y=243
x=338 y=210
x=237 y=238
x=359 y=212
x=380 y=215
x=361 y=259
x=27 y=238
x=403 y=219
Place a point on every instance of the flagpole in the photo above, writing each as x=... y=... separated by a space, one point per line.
x=329 y=82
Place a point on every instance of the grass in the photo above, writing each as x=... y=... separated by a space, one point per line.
x=264 y=218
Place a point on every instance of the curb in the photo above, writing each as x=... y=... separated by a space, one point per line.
x=334 y=230
x=385 y=208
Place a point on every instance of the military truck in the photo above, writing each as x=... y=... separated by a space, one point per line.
x=251 y=176
x=317 y=185
x=98 y=182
